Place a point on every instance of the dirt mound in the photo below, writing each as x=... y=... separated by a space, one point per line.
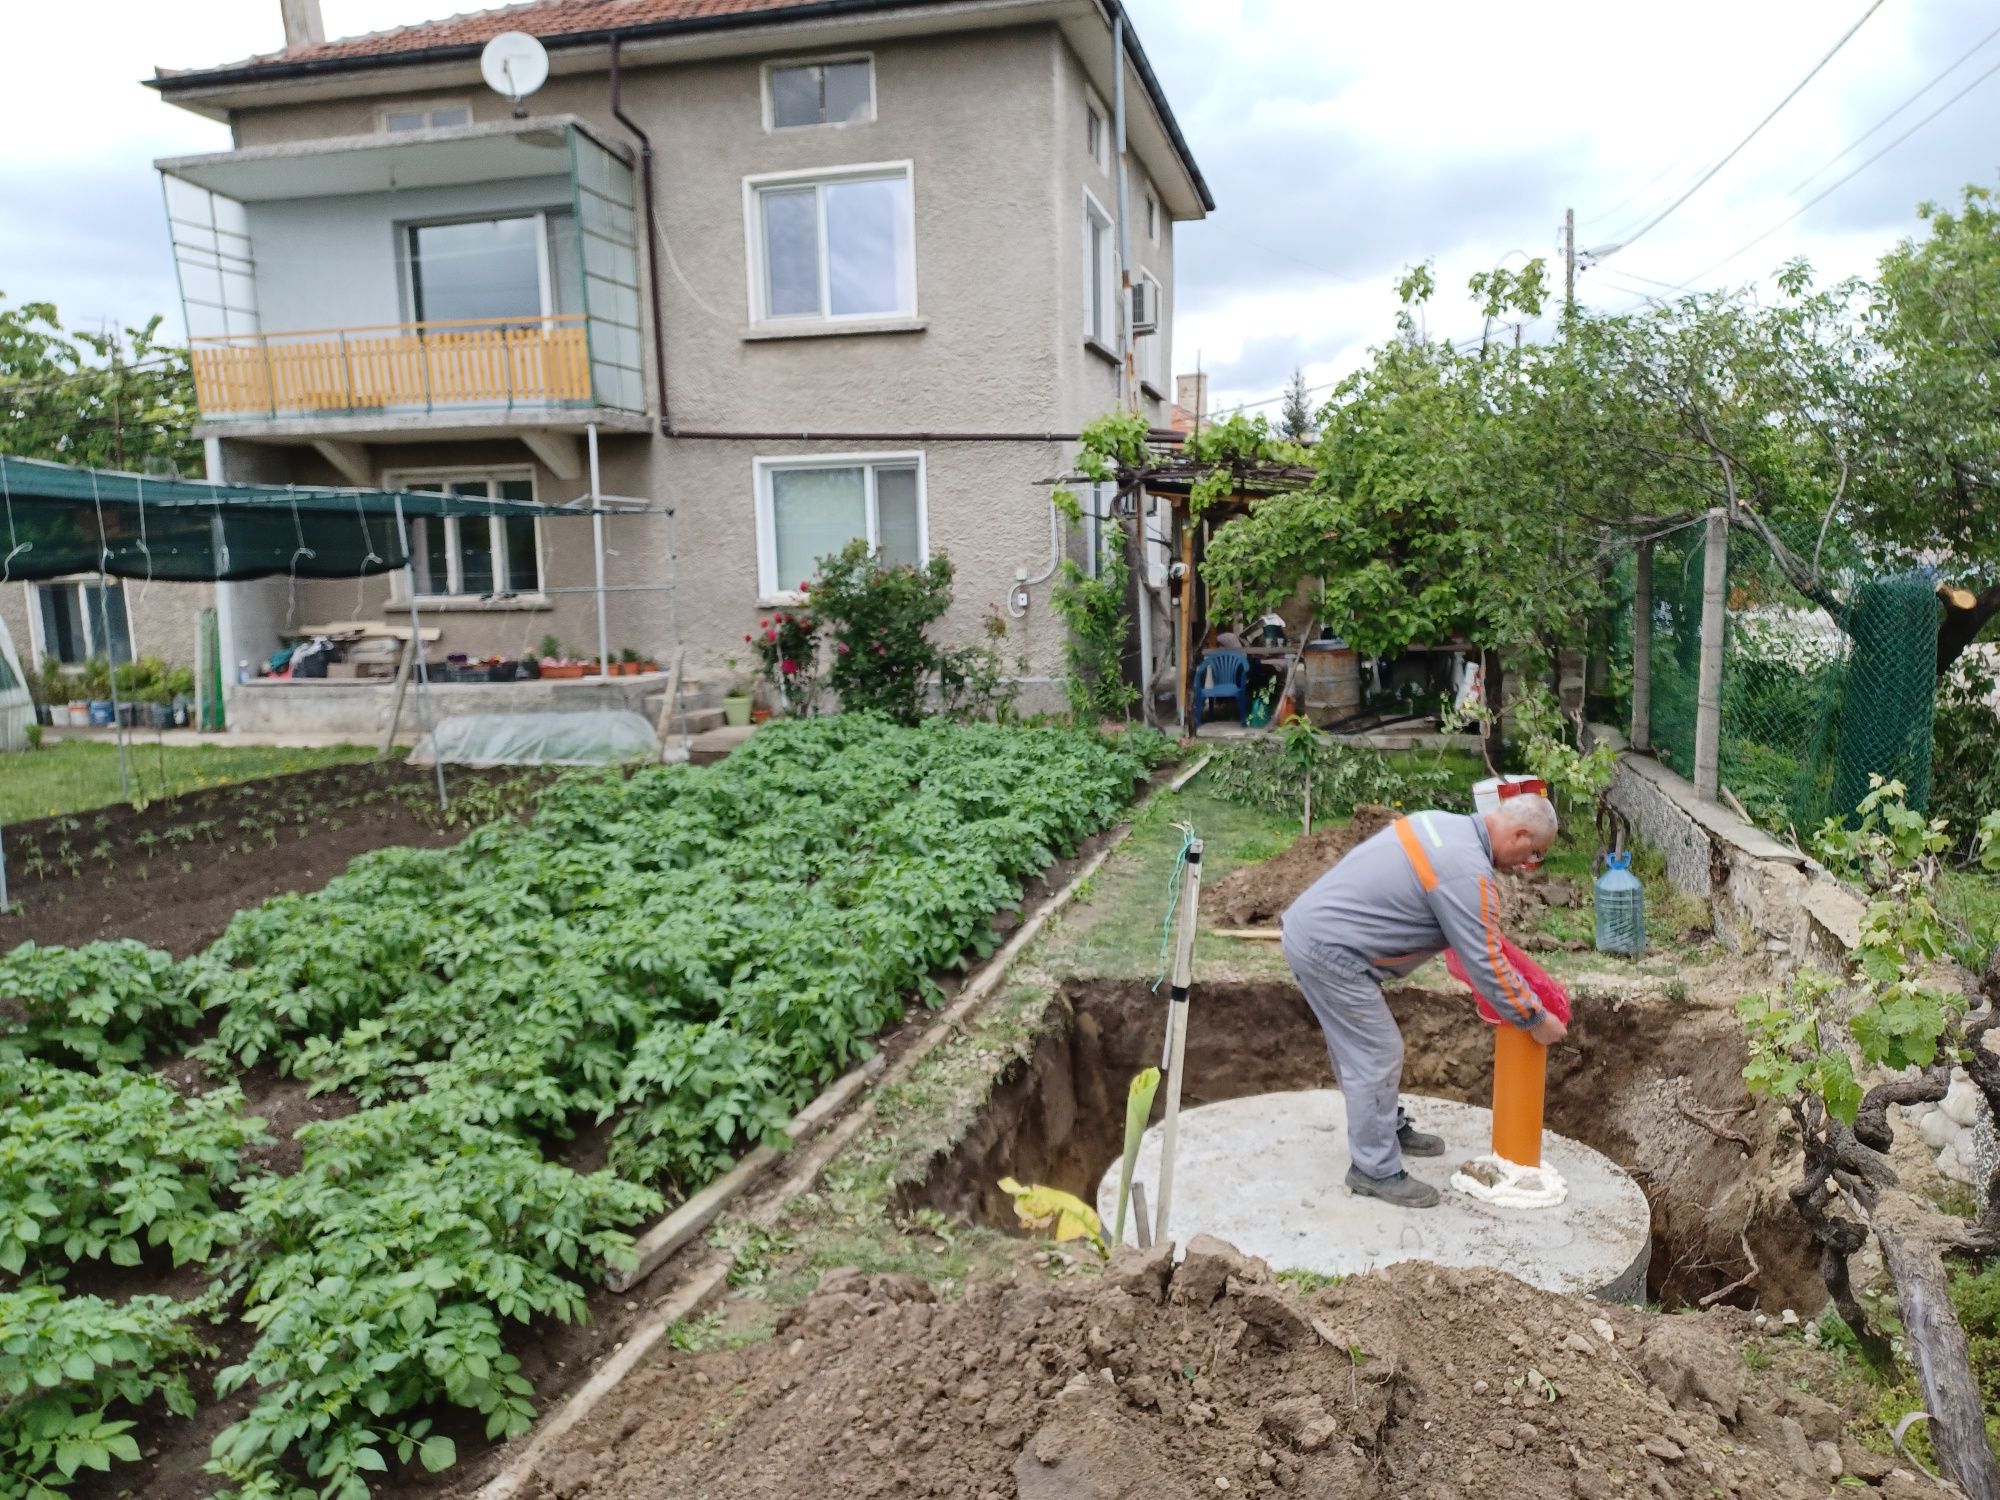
x=1212 y=1379
x=1258 y=894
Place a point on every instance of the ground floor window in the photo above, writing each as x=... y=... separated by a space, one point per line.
x=83 y=620
x=474 y=557
x=810 y=507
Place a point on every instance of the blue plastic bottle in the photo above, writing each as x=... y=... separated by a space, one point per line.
x=1621 y=907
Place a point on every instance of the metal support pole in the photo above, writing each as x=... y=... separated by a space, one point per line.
x=417 y=645
x=1642 y=647
x=1127 y=387
x=597 y=537
x=1708 y=701
x=1177 y=1007
x=5 y=905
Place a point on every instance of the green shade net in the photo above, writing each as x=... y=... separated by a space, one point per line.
x=1811 y=705
x=57 y=521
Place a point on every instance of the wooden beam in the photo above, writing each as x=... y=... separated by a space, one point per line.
x=561 y=454
x=350 y=458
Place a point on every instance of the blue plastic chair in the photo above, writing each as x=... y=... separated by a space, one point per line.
x=1222 y=674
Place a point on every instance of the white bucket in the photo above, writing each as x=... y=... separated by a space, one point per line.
x=1486 y=794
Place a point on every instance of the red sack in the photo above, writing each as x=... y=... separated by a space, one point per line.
x=1554 y=998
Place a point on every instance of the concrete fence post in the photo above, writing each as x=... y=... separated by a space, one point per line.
x=1708 y=702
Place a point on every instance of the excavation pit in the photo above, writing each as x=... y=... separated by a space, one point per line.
x=1265 y=1171
x=1651 y=1081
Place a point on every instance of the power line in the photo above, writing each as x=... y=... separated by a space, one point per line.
x=1707 y=176
x=1960 y=61
x=1841 y=181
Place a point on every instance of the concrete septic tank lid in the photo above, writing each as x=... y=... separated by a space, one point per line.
x=1267 y=1173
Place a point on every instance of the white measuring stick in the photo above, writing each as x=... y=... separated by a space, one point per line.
x=1177 y=1005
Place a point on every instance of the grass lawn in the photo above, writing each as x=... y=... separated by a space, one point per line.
x=1971 y=899
x=76 y=775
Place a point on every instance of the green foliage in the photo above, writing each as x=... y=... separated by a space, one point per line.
x=1576 y=777
x=1273 y=776
x=1965 y=758
x=1230 y=447
x=105 y=400
x=65 y=1363
x=389 y=1264
x=1094 y=650
x=103 y=1165
x=879 y=615
x=1788 y=1055
x=99 y=1006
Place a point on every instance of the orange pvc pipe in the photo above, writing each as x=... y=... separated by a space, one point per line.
x=1520 y=1077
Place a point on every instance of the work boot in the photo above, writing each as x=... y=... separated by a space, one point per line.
x=1403 y=1190
x=1416 y=1142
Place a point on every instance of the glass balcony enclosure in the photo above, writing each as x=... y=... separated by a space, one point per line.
x=455 y=269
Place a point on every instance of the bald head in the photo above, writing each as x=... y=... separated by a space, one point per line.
x=1521 y=830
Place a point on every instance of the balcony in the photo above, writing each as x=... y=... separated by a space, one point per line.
x=395 y=367
x=448 y=282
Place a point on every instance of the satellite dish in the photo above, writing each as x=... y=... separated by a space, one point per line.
x=514 y=64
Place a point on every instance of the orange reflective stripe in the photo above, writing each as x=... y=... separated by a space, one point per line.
x=1501 y=968
x=1419 y=861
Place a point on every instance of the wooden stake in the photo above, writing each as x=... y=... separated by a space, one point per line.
x=402 y=687
x=1708 y=700
x=1177 y=1040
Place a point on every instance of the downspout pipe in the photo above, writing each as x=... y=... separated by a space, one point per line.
x=652 y=238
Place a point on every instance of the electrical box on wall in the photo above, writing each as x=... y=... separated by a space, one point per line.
x=1020 y=598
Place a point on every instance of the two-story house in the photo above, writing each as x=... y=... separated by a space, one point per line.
x=775 y=273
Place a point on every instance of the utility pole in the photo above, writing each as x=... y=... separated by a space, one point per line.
x=1569 y=261
x=1708 y=691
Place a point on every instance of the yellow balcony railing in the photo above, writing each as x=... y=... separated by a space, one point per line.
x=394 y=367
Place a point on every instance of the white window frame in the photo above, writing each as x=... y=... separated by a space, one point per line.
x=37 y=639
x=425 y=107
x=544 y=259
x=776 y=64
x=417 y=479
x=1106 y=266
x=754 y=188
x=1152 y=216
x=1100 y=151
x=1147 y=346
x=770 y=589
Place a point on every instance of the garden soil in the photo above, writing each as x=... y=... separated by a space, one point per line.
x=1216 y=1380
x=1257 y=895
x=130 y=883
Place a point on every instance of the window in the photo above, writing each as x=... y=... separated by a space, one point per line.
x=810 y=507
x=426 y=116
x=83 y=620
x=475 y=557
x=1100 y=324
x=1096 y=138
x=1152 y=218
x=1149 y=345
x=505 y=270
x=840 y=246
x=823 y=93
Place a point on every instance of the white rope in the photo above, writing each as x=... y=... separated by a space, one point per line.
x=302 y=550
x=15 y=546
x=139 y=484
x=361 y=577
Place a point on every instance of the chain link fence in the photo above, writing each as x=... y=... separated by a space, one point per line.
x=1812 y=703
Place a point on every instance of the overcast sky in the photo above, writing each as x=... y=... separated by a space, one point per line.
x=1342 y=140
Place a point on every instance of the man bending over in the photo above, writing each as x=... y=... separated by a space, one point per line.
x=1420 y=885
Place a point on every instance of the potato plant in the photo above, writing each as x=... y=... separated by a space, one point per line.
x=99 y=1006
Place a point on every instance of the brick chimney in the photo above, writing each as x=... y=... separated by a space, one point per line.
x=1190 y=402
x=303 y=26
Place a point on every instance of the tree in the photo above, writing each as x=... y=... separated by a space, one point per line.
x=102 y=400
x=1295 y=418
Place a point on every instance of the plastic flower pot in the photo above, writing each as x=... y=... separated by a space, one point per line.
x=103 y=713
x=759 y=714
x=79 y=713
x=736 y=709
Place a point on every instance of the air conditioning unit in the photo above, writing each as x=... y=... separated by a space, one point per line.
x=1145 y=307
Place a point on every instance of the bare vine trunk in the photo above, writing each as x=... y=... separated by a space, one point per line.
x=1904 y=1228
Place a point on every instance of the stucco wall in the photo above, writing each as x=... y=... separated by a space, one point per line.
x=992 y=124
x=163 y=616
